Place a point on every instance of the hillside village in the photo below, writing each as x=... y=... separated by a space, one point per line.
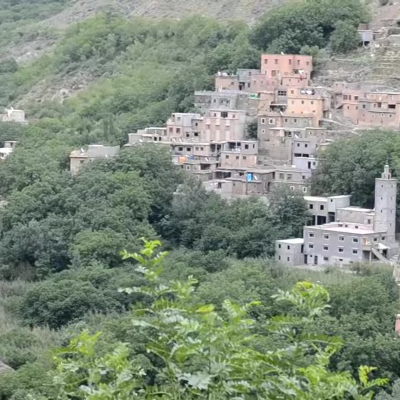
x=268 y=127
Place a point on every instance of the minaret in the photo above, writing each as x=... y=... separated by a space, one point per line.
x=385 y=205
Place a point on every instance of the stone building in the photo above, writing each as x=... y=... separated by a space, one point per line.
x=93 y=152
x=356 y=235
x=11 y=115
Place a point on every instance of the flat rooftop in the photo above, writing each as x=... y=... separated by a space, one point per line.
x=292 y=241
x=316 y=198
x=357 y=209
x=346 y=228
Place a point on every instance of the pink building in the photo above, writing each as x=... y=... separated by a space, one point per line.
x=278 y=65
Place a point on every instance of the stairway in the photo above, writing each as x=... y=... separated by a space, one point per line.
x=380 y=256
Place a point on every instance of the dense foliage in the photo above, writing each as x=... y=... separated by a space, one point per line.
x=61 y=236
x=350 y=166
x=318 y=23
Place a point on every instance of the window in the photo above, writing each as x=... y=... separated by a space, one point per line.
x=178 y=130
x=355 y=240
x=355 y=97
x=227 y=156
x=304 y=190
x=341 y=250
x=321 y=207
x=246 y=146
x=383 y=238
x=326 y=248
x=279 y=258
x=196 y=148
x=201 y=148
x=291 y=188
x=375 y=239
x=341 y=259
x=244 y=157
x=311 y=206
x=263 y=120
x=188 y=149
x=266 y=61
x=355 y=251
x=288 y=247
x=341 y=238
x=326 y=258
x=310 y=235
x=237 y=157
x=271 y=121
x=279 y=246
x=282 y=93
x=369 y=222
x=196 y=133
x=289 y=177
x=180 y=148
x=288 y=258
x=310 y=246
x=81 y=161
x=281 y=176
x=326 y=237
x=276 y=61
x=224 y=114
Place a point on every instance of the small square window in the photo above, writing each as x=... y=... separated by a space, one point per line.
x=310 y=235
x=355 y=240
x=355 y=251
x=341 y=249
x=341 y=238
x=288 y=258
x=280 y=246
x=310 y=246
x=321 y=207
x=326 y=248
x=311 y=206
x=383 y=238
x=279 y=258
x=326 y=258
x=288 y=247
x=326 y=237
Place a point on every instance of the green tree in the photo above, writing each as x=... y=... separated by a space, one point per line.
x=207 y=354
x=345 y=38
x=350 y=166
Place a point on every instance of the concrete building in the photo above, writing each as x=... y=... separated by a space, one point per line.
x=94 y=152
x=11 y=115
x=8 y=148
x=278 y=65
x=357 y=234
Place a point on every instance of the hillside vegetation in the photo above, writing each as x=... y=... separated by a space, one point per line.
x=69 y=243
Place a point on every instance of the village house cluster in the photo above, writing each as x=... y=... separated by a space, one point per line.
x=257 y=129
x=342 y=234
x=260 y=128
